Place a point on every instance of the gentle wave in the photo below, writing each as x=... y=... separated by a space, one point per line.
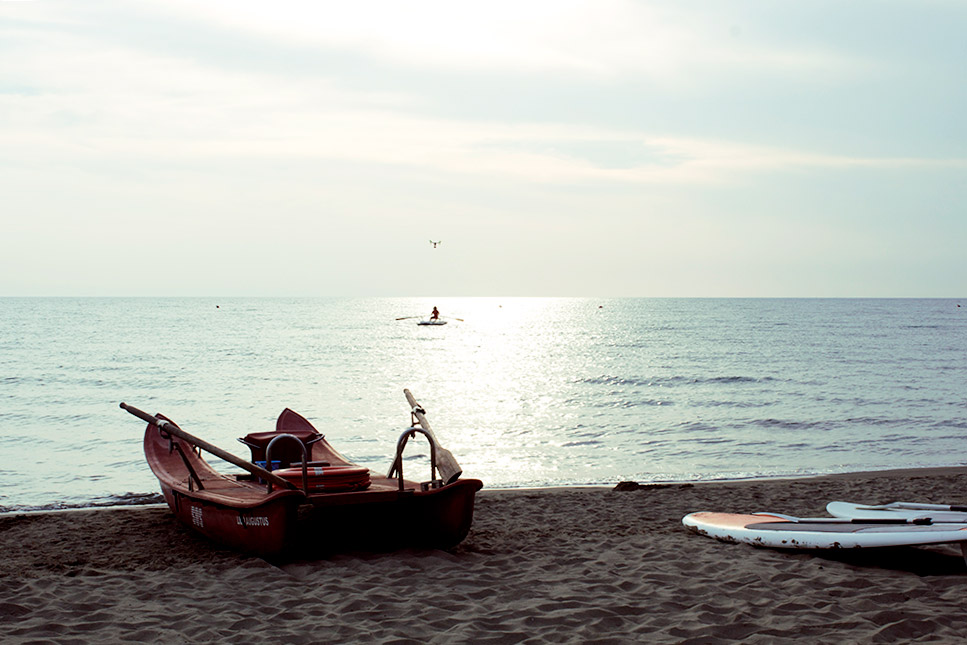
x=673 y=380
x=109 y=501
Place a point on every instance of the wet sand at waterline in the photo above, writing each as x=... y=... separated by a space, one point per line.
x=564 y=565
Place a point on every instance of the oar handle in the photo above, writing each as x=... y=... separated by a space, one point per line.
x=144 y=416
x=171 y=428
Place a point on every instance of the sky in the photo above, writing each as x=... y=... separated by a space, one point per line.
x=601 y=148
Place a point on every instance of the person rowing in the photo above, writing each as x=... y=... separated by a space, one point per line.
x=435 y=314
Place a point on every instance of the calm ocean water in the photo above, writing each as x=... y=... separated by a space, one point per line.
x=524 y=391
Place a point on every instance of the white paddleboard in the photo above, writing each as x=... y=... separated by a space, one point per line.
x=786 y=532
x=897 y=510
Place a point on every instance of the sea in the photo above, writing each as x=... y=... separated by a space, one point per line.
x=525 y=392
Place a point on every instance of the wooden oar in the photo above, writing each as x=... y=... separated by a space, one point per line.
x=171 y=428
x=452 y=318
x=446 y=464
x=408 y=317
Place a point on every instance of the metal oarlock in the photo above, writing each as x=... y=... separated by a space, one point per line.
x=397 y=467
x=305 y=458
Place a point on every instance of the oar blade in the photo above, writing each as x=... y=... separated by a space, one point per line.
x=446 y=463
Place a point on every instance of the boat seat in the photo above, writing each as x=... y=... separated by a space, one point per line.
x=285 y=452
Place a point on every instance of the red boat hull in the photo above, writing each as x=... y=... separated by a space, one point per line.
x=239 y=514
x=264 y=530
x=242 y=514
x=385 y=517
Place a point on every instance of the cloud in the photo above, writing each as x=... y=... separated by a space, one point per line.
x=160 y=109
x=590 y=38
x=75 y=95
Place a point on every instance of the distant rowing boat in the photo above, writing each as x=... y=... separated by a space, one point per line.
x=432 y=322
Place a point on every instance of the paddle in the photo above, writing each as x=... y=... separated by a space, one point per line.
x=408 y=317
x=925 y=520
x=446 y=463
x=171 y=428
x=912 y=506
x=452 y=318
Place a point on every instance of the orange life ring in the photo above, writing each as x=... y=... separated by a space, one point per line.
x=327 y=479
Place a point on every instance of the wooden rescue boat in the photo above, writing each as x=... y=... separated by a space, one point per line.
x=299 y=493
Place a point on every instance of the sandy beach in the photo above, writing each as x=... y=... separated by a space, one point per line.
x=588 y=565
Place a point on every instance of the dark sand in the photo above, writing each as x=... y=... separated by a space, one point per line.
x=543 y=566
